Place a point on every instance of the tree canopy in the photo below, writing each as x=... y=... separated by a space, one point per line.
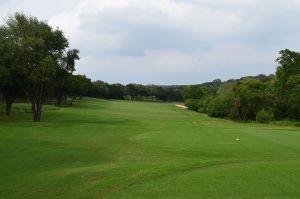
x=36 y=53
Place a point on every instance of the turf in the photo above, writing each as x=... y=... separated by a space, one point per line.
x=121 y=149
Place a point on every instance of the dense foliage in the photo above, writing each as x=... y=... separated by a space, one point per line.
x=33 y=56
x=264 y=116
x=138 y=92
x=261 y=98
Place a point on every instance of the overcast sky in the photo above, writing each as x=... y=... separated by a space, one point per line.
x=171 y=41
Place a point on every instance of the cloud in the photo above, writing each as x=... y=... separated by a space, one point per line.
x=172 y=41
x=225 y=61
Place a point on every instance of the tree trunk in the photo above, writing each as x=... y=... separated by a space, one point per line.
x=9 y=99
x=8 y=109
x=37 y=110
x=37 y=103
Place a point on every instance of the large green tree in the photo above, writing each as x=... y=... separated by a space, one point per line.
x=194 y=92
x=222 y=103
x=250 y=97
x=99 y=89
x=42 y=52
x=77 y=86
x=59 y=85
x=116 y=91
x=10 y=84
x=194 y=97
x=288 y=84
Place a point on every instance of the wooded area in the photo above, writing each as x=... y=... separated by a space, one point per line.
x=261 y=98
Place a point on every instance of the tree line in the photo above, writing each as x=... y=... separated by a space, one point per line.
x=100 y=89
x=261 y=98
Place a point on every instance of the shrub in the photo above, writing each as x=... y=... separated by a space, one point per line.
x=204 y=104
x=264 y=116
x=192 y=104
x=216 y=108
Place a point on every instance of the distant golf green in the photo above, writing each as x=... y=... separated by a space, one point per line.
x=122 y=149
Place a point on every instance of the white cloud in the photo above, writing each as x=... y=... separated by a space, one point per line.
x=200 y=65
x=176 y=14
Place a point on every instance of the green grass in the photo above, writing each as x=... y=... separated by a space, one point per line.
x=121 y=149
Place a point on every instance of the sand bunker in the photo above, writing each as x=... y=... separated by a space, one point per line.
x=181 y=106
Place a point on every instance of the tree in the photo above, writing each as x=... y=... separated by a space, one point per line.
x=288 y=84
x=77 y=86
x=59 y=82
x=192 y=104
x=249 y=99
x=212 y=87
x=204 y=103
x=222 y=103
x=194 y=97
x=117 y=91
x=99 y=89
x=264 y=117
x=137 y=91
x=194 y=92
x=59 y=86
x=9 y=82
x=41 y=53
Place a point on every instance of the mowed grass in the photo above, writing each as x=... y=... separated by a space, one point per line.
x=121 y=149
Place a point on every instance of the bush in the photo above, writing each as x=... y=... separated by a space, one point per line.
x=192 y=104
x=264 y=116
x=216 y=108
x=203 y=104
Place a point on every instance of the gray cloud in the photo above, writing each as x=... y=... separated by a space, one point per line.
x=172 y=41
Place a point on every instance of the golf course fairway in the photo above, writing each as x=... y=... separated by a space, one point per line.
x=135 y=150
